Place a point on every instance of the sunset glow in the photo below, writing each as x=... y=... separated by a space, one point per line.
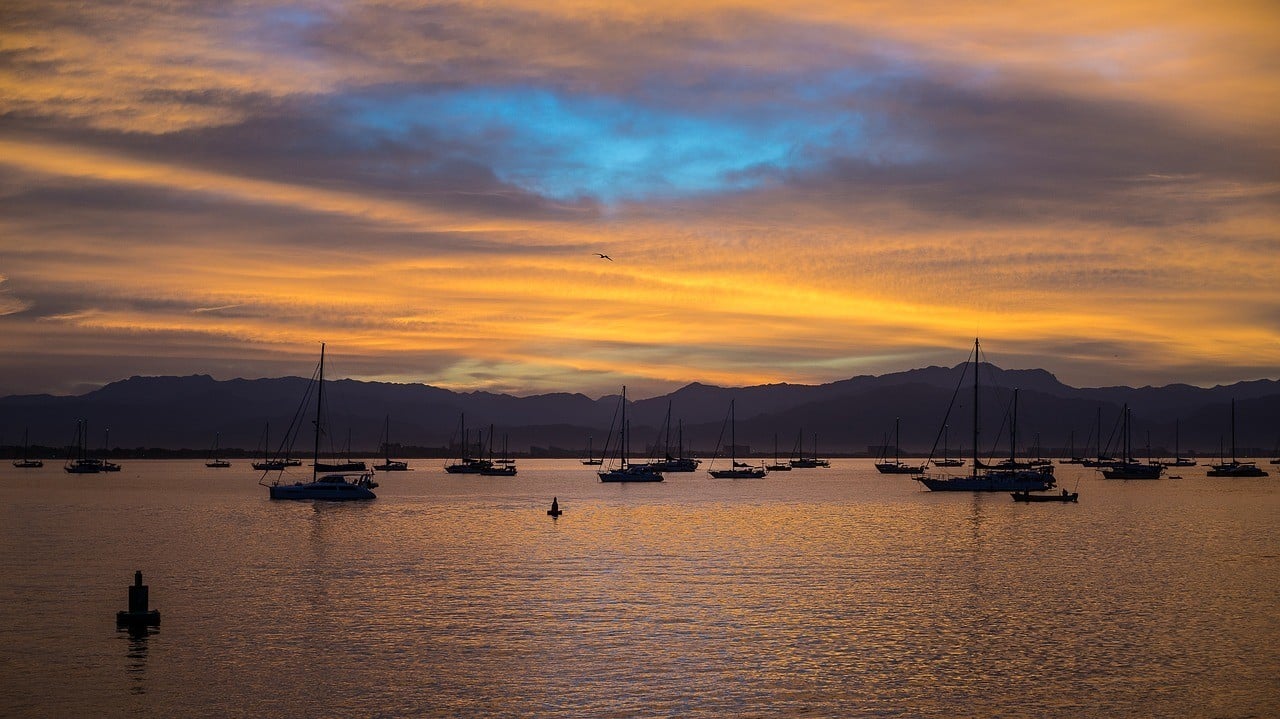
x=789 y=194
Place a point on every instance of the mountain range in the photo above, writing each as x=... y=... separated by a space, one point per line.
x=851 y=416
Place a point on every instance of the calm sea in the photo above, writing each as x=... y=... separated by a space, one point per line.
x=822 y=593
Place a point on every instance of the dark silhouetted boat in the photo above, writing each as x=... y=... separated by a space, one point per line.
x=677 y=462
x=777 y=465
x=897 y=466
x=1178 y=459
x=466 y=464
x=1065 y=496
x=593 y=461
x=803 y=462
x=623 y=470
x=990 y=479
x=272 y=463
x=736 y=470
x=1072 y=457
x=947 y=460
x=1129 y=467
x=26 y=462
x=331 y=486
x=499 y=468
x=82 y=463
x=1235 y=468
x=348 y=465
x=389 y=464
x=214 y=462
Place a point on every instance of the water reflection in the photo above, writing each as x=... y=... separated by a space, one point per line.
x=136 y=657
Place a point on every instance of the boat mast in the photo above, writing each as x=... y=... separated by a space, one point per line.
x=666 y=448
x=315 y=451
x=976 y=366
x=1233 y=430
x=1013 y=431
x=622 y=430
x=732 y=435
x=897 y=440
x=386 y=444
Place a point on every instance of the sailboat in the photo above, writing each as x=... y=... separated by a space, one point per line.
x=777 y=466
x=1102 y=459
x=214 y=462
x=503 y=467
x=591 y=460
x=1178 y=459
x=624 y=471
x=389 y=464
x=83 y=463
x=466 y=464
x=987 y=479
x=107 y=465
x=1130 y=468
x=677 y=462
x=736 y=470
x=897 y=466
x=26 y=462
x=1074 y=458
x=348 y=465
x=803 y=462
x=947 y=460
x=336 y=486
x=269 y=463
x=1235 y=468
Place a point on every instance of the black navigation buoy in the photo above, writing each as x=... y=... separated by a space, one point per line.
x=138 y=615
x=555 y=508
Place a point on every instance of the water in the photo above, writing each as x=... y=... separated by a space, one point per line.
x=836 y=592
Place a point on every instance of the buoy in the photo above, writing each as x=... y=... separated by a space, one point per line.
x=555 y=508
x=138 y=615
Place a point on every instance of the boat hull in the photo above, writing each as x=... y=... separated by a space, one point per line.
x=1133 y=471
x=325 y=489
x=809 y=463
x=740 y=473
x=631 y=473
x=507 y=471
x=341 y=467
x=677 y=465
x=27 y=463
x=1236 y=470
x=1027 y=497
x=992 y=481
x=894 y=468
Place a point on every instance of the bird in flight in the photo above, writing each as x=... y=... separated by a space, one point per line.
x=604 y=257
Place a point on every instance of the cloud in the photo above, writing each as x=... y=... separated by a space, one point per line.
x=790 y=193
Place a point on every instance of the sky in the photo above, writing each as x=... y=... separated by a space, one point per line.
x=789 y=192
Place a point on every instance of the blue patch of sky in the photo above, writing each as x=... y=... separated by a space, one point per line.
x=566 y=145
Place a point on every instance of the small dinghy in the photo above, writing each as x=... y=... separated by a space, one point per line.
x=1025 y=496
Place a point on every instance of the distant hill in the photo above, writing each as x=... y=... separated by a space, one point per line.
x=847 y=416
